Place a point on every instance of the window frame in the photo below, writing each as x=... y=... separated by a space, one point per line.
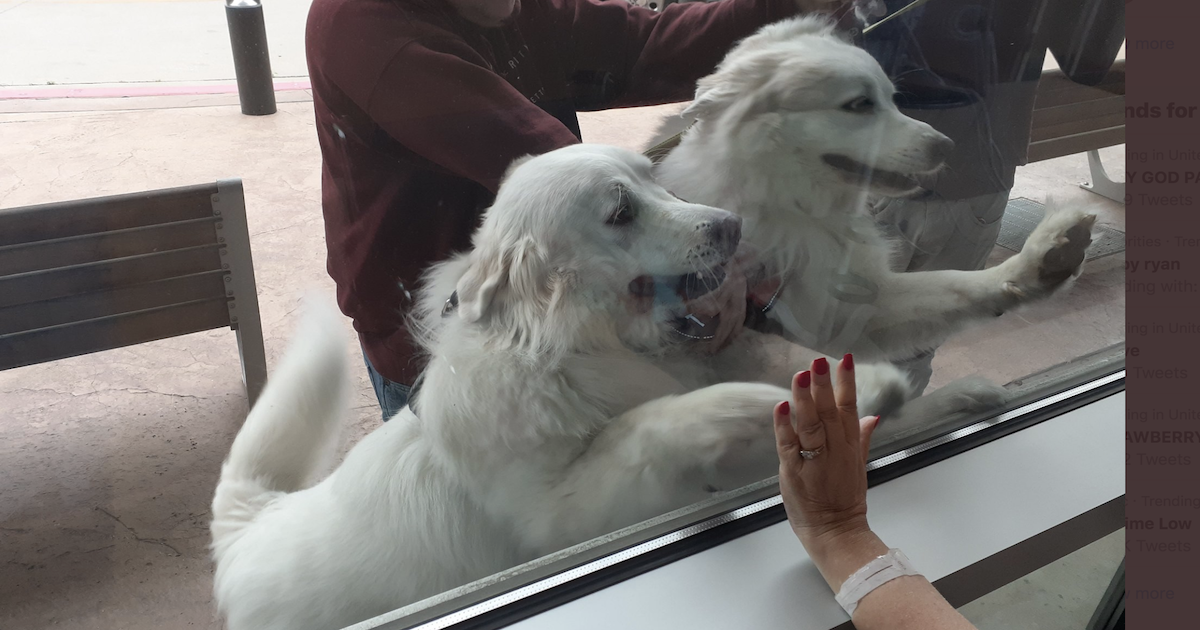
x=525 y=591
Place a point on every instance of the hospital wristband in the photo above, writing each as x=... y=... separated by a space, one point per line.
x=876 y=573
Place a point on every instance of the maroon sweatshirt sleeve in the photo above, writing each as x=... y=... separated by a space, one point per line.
x=660 y=55
x=439 y=101
x=419 y=114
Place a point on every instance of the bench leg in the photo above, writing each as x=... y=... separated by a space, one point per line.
x=230 y=205
x=1101 y=183
x=254 y=356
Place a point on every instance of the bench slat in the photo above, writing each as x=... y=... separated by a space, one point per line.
x=1070 y=118
x=1055 y=89
x=1094 y=108
x=1077 y=126
x=69 y=340
x=39 y=286
x=1070 y=145
x=76 y=250
x=105 y=214
x=105 y=303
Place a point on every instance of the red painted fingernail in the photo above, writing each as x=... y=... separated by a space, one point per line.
x=785 y=408
x=821 y=366
x=803 y=379
x=848 y=361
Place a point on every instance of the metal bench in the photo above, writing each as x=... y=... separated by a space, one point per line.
x=1070 y=117
x=83 y=276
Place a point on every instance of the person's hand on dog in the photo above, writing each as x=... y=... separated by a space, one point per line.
x=725 y=306
x=825 y=493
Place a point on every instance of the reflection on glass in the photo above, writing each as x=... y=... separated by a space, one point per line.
x=569 y=344
x=584 y=364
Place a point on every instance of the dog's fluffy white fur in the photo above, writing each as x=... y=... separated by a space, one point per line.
x=794 y=131
x=545 y=417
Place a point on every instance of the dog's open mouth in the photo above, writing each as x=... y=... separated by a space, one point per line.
x=862 y=174
x=686 y=287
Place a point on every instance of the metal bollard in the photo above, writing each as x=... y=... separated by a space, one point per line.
x=251 y=61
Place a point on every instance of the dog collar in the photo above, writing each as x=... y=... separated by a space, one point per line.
x=689 y=327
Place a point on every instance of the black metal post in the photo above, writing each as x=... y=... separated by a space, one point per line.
x=251 y=61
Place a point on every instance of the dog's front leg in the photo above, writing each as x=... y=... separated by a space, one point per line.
x=657 y=457
x=919 y=310
x=753 y=356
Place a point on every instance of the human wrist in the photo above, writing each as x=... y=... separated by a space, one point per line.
x=874 y=574
x=839 y=552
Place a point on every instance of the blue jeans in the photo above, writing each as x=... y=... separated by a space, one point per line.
x=392 y=396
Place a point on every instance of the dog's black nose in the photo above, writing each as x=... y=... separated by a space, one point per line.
x=941 y=148
x=726 y=233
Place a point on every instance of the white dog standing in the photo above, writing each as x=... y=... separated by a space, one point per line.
x=794 y=130
x=543 y=418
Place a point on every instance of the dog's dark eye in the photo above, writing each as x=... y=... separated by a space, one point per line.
x=624 y=213
x=860 y=105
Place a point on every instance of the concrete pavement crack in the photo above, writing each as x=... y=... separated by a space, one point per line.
x=153 y=541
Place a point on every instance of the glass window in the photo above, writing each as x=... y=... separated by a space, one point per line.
x=552 y=352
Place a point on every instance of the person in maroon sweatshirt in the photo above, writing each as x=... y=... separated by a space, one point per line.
x=422 y=104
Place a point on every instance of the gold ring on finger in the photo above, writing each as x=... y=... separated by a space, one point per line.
x=811 y=454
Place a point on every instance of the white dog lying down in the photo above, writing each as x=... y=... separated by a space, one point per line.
x=543 y=418
x=793 y=131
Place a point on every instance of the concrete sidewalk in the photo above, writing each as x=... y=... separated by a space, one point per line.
x=58 y=42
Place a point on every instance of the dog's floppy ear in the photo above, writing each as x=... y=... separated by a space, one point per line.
x=745 y=99
x=713 y=96
x=493 y=269
x=477 y=287
x=750 y=66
